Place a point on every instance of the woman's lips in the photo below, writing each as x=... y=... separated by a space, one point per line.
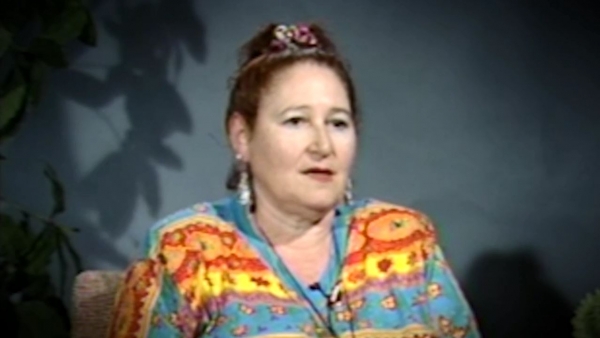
x=321 y=175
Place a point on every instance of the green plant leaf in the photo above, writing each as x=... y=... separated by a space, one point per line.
x=63 y=243
x=10 y=319
x=68 y=230
x=5 y=40
x=37 y=75
x=62 y=264
x=68 y=25
x=39 y=319
x=66 y=241
x=50 y=51
x=58 y=192
x=12 y=103
x=36 y=287
x=17 y=14
x=59 y=307
x=14 y=240
x=89 y=34
x=24 y=224
x=40 y=253
x=586 y=323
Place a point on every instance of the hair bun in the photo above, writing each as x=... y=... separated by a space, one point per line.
x=293 y=37
x=281 y=38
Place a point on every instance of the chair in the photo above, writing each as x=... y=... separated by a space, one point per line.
x=93 y=298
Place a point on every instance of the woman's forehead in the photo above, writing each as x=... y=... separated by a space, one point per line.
x=306 y=85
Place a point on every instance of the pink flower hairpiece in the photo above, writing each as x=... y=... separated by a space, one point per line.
x=293 y=37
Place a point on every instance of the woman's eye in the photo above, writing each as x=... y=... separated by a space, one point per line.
x=340 y=124
x=294 y=121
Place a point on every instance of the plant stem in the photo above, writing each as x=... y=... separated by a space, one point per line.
x=22 y=209
x=46 y=220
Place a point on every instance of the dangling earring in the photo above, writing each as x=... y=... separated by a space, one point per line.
x=243 y=187
x=348 y=192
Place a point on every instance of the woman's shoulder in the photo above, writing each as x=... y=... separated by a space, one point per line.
x=195 y=220
x=391 y=227
x=211 y=212
x=374 y=206
x=375 y=212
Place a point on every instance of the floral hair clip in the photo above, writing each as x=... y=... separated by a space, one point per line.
x=293 y=37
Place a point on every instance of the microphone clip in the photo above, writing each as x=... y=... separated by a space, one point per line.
x=332 y=298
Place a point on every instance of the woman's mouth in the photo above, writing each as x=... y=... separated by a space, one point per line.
x=320 y=174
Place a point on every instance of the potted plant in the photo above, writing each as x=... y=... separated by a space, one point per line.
x=33 y=35
x=586 y=323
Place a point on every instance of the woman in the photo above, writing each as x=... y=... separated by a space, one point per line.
x=291 y=254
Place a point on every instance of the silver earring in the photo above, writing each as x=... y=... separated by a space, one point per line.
x=348 y=192
x=243 y=187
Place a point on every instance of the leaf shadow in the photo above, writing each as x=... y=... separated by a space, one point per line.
x=152 y=40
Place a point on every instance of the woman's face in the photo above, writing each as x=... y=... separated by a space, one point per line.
x=303 y=144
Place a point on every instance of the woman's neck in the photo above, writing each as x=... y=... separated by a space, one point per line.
x=292 y=230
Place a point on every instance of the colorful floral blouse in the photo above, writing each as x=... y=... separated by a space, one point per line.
x=208 y=273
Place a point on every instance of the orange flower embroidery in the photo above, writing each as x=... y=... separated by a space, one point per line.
x=189 y=266
x=448 y=328
x=260 y=281
x=221 y=320
x=344 y=316
x=420 y=299
x=384 y=265
x=228 y=279
x=397 y=224
x=240 y=331
x=459 y=332
x=278 y=310
x=156 y=320
x=357 y=304
x=246 y=309
x=175 y=238
x=308 y=329
x=228 y=239
x=446 y=325
x=364 y=324
x=434 y=290
x=412 y=259
x=233 y=263
x=357 y=276
x=389 y=302
x=208 y=281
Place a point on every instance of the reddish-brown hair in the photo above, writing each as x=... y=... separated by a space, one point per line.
x=259 y=63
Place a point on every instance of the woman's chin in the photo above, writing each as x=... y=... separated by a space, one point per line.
x=321 y=203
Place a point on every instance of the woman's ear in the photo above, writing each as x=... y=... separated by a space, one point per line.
x=239 y=135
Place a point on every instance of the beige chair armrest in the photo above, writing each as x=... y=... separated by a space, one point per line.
x=94 y=294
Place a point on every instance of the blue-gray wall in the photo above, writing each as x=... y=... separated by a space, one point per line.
x=486 y=116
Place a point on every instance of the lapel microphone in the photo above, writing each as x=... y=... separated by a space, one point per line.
x=332 y=298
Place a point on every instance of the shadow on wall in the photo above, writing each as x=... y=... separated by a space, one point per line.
x=508 y=289
x=152 y=39
x=512 y=298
